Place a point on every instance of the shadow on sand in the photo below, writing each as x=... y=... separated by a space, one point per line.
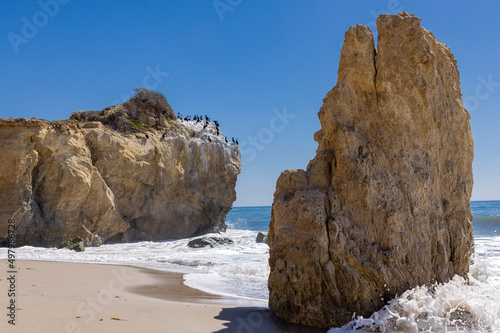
x=257 y=320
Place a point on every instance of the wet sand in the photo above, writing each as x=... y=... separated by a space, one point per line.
x=59 y=297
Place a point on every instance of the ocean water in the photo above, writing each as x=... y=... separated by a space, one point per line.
x=241 y=269
x=249 y=218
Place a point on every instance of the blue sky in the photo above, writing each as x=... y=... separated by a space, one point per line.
x=261 y=68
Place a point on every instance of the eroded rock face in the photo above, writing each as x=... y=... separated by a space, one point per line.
x=210 y=242
x=384 y=205
x=106 y=176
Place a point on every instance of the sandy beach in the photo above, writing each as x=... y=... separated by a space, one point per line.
x=61 y=297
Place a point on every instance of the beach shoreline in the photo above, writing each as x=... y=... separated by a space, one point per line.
x=53 y=296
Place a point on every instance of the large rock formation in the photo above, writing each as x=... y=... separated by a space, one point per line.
x=129 y=172
x=384 y=205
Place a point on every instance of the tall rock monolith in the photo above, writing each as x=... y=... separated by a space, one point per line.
x=384 y=205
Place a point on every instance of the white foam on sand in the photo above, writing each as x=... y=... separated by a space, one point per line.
x=241 y=270
x=237 y=270
x=461 y=305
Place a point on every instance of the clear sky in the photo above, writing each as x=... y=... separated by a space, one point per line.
x=261 y=68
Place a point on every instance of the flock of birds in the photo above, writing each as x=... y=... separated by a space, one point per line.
x=206 y=121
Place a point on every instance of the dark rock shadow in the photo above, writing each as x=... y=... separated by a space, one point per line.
x=257 y=320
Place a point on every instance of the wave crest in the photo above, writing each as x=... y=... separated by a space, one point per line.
x=471 y=304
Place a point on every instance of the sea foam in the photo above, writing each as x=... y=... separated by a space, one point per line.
x=460 y=305
x=241 y=270
x=237 y=270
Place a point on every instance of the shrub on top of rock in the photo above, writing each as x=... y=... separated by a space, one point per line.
x=151 y=101
x=145 y=109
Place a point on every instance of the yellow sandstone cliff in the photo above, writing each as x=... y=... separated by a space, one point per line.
x=384 y=205
x=129 y=172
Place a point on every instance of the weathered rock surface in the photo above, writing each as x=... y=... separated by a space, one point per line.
x=106 y=176
x=261 y=238
x=76 y=244
x=384 y=205
x=209 y=241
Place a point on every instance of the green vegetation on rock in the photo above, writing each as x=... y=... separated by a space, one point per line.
x=77 y=244
x=65 y=121
x=137 y=124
